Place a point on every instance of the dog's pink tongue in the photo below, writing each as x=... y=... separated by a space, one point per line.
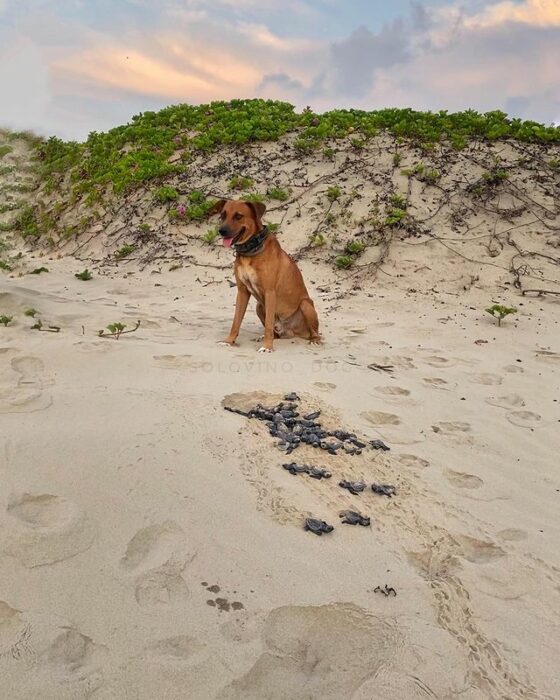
x=227 y=242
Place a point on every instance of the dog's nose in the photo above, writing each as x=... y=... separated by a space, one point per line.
x=223 y=230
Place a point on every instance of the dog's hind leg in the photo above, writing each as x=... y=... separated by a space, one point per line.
x=310 y=315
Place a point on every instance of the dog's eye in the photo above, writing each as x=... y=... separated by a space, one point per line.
x=223 y=215
x=238 y=216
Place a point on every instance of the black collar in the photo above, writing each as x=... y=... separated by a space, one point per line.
x=254 y=245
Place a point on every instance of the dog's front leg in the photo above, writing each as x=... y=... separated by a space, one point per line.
x=241 y=302
x=269 y=318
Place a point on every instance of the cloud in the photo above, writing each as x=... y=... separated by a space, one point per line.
x=82 y=70
x=539 y=13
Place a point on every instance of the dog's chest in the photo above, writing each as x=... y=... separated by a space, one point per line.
x=248 y=276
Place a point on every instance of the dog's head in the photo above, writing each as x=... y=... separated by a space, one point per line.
x=238 y=220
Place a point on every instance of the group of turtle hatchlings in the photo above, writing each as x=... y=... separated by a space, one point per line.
x=285 y=423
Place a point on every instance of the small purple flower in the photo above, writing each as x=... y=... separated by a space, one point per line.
x=181 y=210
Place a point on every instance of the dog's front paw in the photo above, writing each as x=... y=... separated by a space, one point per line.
x=226 y=343
x=263 y=349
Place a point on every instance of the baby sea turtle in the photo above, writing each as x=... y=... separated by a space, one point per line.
x=317 y=527
x=312 y=416
x=384 y=489
x=292 y=397
x=294 y=468
x=379 y=445
x=319 y=473
x=354 y=487
x=352 y=517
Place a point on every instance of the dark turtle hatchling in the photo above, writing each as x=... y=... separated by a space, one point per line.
x=355 y=487
x=295 y=468
x=319 y=473
x=317 y=527
x=379 y=445
x=384 y=489
x=352 y=517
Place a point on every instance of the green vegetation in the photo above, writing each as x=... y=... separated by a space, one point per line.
x=125 y=250
x=5 y=320
x=344 y=262
x=85 y=275
x=394 y=216
x=4 y=265
x=554 y=163
x=38 y=326
x=333 y=193
x=30 y=312
x=495 y=176
x=39 y=270
x=4 y=150
x=166 y=194
x=238 y=182
x=210 y=236
x=398 y=200
x=26 y=223
x=430 y=175
x=500 y=312
x=355 y=247
x=140 y=153
x=278 y=193
x=317 y=240
x=253 y=197
x=117 y=329
x=196 y=211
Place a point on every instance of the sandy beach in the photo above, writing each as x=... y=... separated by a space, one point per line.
x=151 y=545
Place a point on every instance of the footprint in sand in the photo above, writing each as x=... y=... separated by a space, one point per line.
x=381 y=418
x=396 y=361
x=41 y=529
x=384 y=324
x=154 y=546
x=13 y=637
x=512 y=534
x=161 y=587
x=394 y=391
x=451 y=427
x=173 y=361
x=324 y=386
x=462 y=480
x=506 y=401
x=514 y=369
x=438 y=361
x=70 y=651
x=300 y=640
x=551 y=358
x=54 y=654
x=21 y=386
x=456 y=431
x=436 y=382
x=478 y=551
x=180 y=648
x=413 y=461
x=524 y=419
x=98 y=346
x=486 y=379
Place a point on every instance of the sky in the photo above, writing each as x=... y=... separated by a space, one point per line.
x=69 y=67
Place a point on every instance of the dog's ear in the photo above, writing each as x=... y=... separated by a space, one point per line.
x=217 y=208
x=258 y=209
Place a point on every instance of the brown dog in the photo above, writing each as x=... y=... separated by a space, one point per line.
x=263 y=270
